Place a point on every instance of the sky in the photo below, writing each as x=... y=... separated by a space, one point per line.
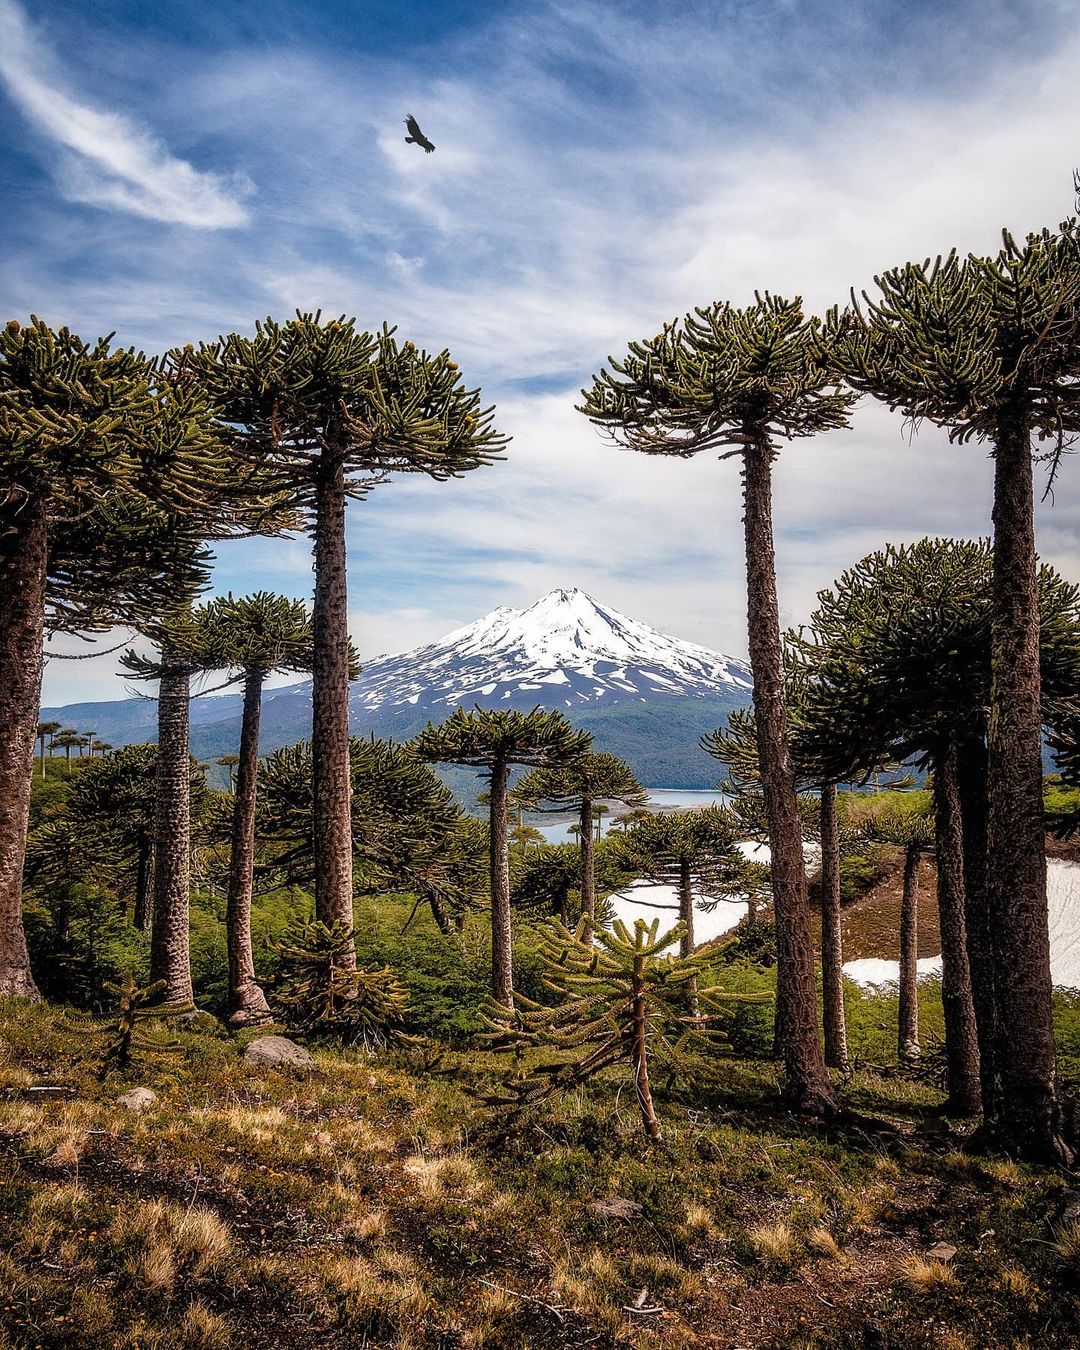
x=176 y=171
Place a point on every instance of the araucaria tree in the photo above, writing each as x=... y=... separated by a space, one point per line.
x=257 y=635
x=580 y=785
x=989 y=348
x=741 y=382
x=330 y=412
x=496 y=741
x=92 y=442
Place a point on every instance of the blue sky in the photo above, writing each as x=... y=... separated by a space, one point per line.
x=178 y=170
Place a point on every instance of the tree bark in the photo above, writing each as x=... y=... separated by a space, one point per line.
x=331 y=771
x=247 y=1002
x=971 y=779
x=1030 y=1120
x=807 y=1086
x=639 y=1053
x=170 y=956
x=687 y=942
x=143 y=859
x=961 y=1038
x=832 y=940
x=24 y=555
x=502 y=968
x=908 y=1028
x=588 y=859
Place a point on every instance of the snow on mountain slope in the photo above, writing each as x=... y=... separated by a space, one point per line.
x=564 y=650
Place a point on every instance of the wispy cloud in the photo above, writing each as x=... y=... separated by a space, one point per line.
x=103 y=158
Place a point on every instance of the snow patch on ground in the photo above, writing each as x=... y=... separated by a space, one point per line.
x=873 y=973
x=650 y=902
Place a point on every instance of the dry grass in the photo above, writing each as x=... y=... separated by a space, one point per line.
x=922 y=1275
x=821 y=1241
x=776 y=1245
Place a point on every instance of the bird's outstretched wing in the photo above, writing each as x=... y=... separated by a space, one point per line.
x=416 y=136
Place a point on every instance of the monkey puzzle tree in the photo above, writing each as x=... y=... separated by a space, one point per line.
x=694 y=852
x=495 y=741
x=330 y=412
x=898 y=657
x=989 y=348
x=741 y=381
x=91 y=442
x=258 y=635
x=581 y=785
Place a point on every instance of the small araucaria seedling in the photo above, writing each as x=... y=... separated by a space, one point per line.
x=624 y=997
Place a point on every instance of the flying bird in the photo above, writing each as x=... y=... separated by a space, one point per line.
x=416 y=136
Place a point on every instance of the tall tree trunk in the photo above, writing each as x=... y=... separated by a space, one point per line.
x=639 y=1053
x=832 y=938
x=1030 y=1119
x=971 y=779
x=908 y=1028
x=588 y=859
x=247 y=1002
x=23 y=562
x=687 y=942
x=807 y=1085
x=961 y=1038
x=170 y=955
x=332 y=782
x=502 y=967
x=42 y=756
x=143 y=858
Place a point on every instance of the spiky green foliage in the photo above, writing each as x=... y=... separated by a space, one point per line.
x=696 y=848
x=548 y=881
x=897 y=655
x=483 y=736
x=389 y=406
x=258 y=634
x=622 y=998
x=322 y=992
x=402 y=815
x=593 y=776
x=719 y=379
x=123 y=1035
x=955 y=340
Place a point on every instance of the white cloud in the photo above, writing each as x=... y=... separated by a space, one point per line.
x=105 y=159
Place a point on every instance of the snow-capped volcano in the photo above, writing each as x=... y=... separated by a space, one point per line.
x=564 y=650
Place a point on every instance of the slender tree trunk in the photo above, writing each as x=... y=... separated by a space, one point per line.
x=687 y=942
x=639 y=1053
x=832 y=937
x=23 y=562
x=961 y=1038
x=143 y=859
x=807 y=1085
x=439 y=915
x=908 y=1030
x=971 y=778
x=1030 y=1120
x=170 y=953
x=42 y=756
x=247 y=1002
x=588 y=860
x=502 y=957
x=330 y=701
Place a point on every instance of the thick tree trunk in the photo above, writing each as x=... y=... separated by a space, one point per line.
x=23 y=562
x=1030 y=1120
x=832 y=940
x=908 y=1028
x=143 y=859
x=639 y=1054
x=502 y=956
x=971 y=779
x=170 y=958
x=588 y=859
x=961 y=1038
x=247 y=1002
x=332 y=782
x=807 y=1085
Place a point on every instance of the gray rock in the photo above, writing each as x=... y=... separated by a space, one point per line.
x=941 y=1251
x=138 y=1099
x=1070 y=1207
x=614 y=1207
x=276 y=1052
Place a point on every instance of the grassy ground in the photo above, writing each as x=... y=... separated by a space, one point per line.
x=374 y=1202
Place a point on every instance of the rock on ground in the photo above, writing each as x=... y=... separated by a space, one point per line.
x=277 y=1051
x=138 y=1099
